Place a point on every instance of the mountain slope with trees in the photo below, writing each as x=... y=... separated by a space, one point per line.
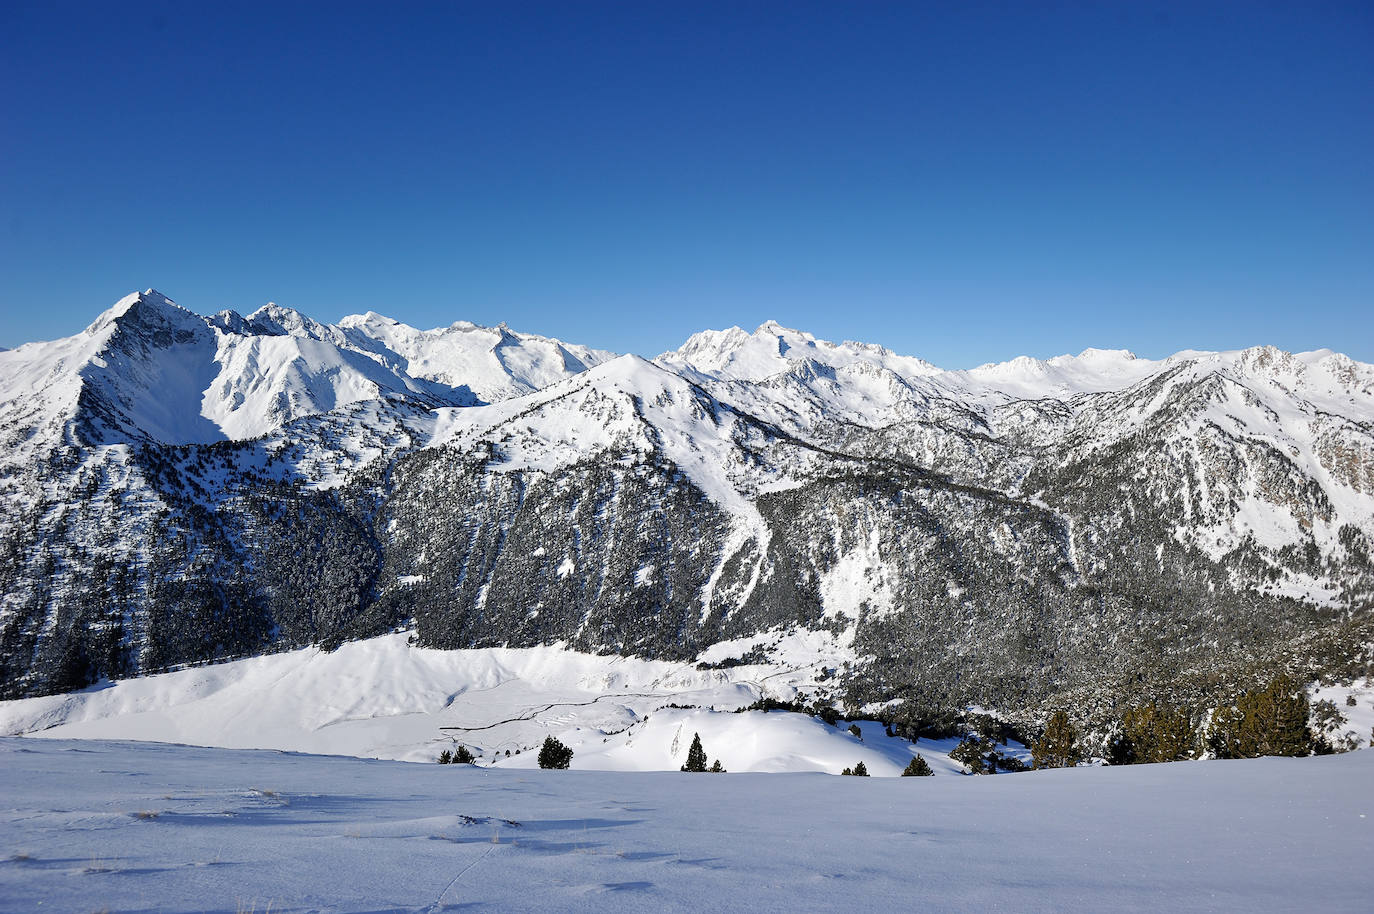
x=1027 y=536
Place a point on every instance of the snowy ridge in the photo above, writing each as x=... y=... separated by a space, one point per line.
x=495 y=363
x=150 y=369
x=625 y=405
x=771 y=349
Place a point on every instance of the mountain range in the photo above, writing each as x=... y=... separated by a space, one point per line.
x=1086 y=529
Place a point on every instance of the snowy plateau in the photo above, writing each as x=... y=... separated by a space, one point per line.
x=295 y=542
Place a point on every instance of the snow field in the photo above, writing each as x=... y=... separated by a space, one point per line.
x=139 y=827
x=384 y=698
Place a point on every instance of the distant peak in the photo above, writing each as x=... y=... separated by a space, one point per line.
x=229 y=321
x=148 y=301
x=773 y=328
x=272 y=308
x=278 y=320
x=628 y=367
x=1124 y=355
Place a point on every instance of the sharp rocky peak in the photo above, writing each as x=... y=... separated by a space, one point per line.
x=148 y=305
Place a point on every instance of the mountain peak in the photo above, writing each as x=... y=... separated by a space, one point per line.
x=277 y=320
x=368 y=318
x=148 y=305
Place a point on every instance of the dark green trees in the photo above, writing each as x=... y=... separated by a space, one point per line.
x=717 y=768
x=553 y=754
x=977 y=754
x=1058 y=745
x=917 y=768
x=1153 y=733
x=859 y=771
x=463 y=756
x=1267 y=721
x=1272 y=720
x=696 y=756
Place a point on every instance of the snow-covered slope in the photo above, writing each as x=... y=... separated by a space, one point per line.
x=386 y=698
x=626 y=405
x=475 y=363
x=93 y=826
x=495 y=363
x=735 y=354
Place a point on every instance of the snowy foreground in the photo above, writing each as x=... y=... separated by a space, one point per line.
x=92 y=826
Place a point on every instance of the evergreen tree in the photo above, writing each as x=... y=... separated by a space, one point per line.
x=1058 y=745
x=463 y=756
x=716 y=767
x=977 y=754
x=1276 y=718
x=696 y=756
x=917 y=768
x=1224 y=733
x=1153 y=733
x=1267 y=721
x=861 y=770
x=445 y=757
x=553 y=754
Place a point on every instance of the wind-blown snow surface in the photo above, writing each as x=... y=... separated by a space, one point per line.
x=130 y=827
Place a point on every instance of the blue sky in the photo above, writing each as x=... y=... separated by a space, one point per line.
x=961 y=182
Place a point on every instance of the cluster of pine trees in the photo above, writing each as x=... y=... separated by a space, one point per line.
x=1267 y=721
x=461 y=756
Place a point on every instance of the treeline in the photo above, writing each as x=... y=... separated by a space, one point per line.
x=1276 y=719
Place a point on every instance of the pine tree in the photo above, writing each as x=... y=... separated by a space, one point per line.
x=1058 y=745
x=696 y=756
x=716 y=767
x=554 y=754
x=445 y=757
x=1153 y=733
x=917 y=768
x=1267 y=721
x=463 y=756
x=976 y=753
x=1276 y=719
x=1224 y=734
x=861 y=770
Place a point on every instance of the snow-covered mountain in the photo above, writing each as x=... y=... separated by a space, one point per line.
x=147 y=369
x=177 y=488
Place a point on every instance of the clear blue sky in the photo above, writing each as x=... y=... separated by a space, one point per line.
x=961 y=182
